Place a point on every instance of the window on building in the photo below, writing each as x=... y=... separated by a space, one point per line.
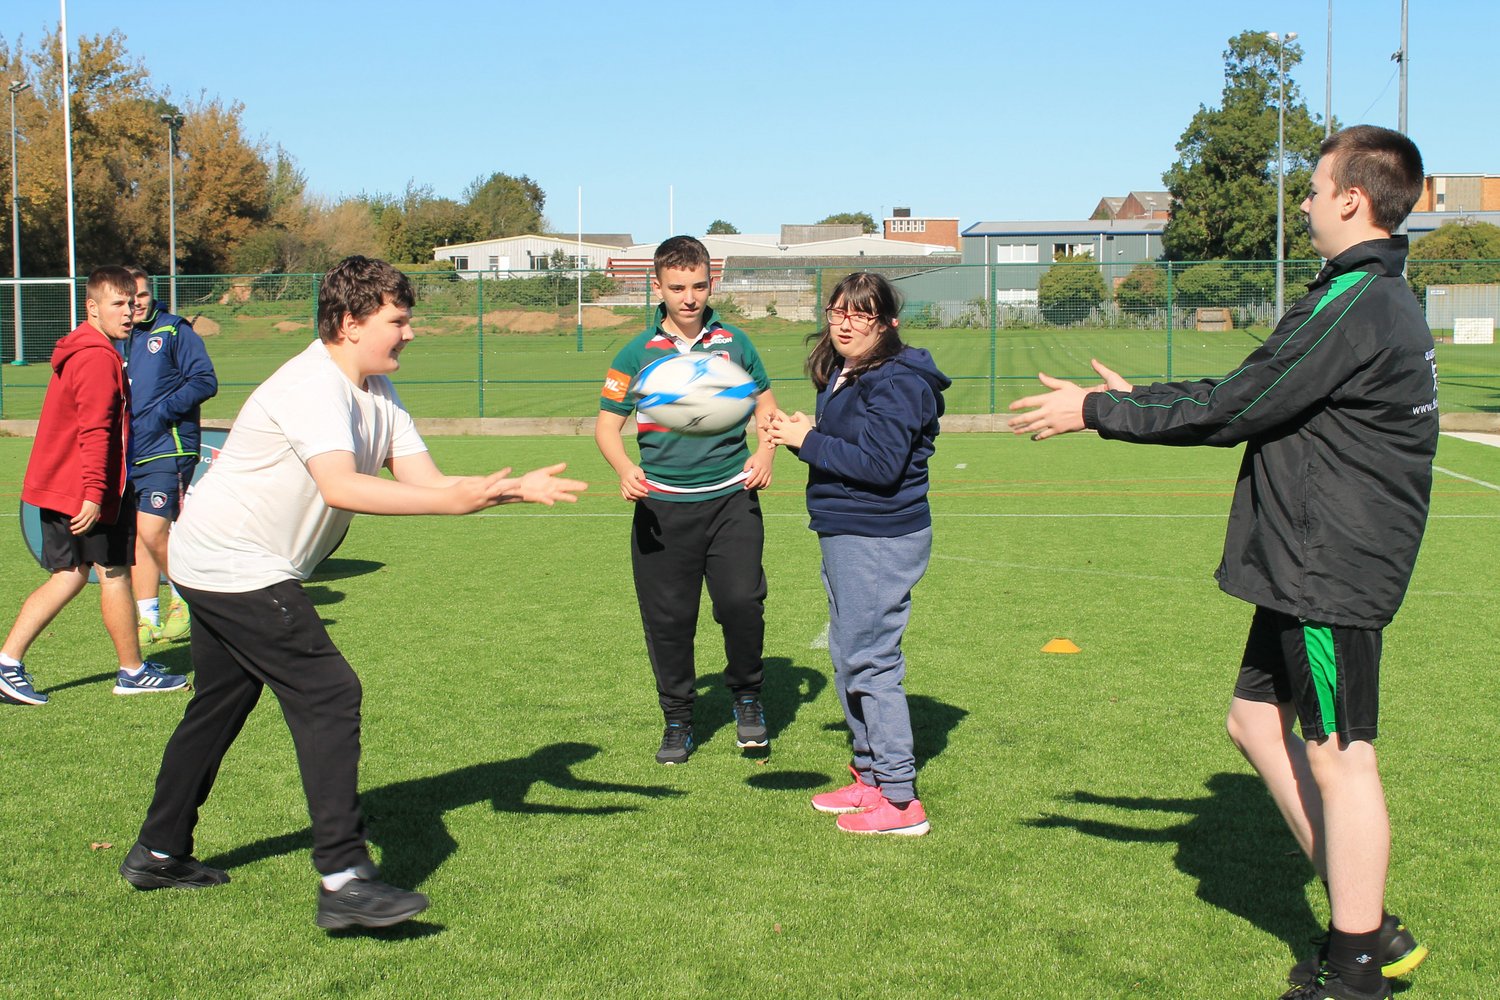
x=540 y=262
x=494 y=262
x=908 y=225
x=1016 y=253
x=1072 y=250
x=460 y=263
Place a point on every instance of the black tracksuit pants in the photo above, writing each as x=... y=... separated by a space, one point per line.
x=674 y=549
x=241 y=643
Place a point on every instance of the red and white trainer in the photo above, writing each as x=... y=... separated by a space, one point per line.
x=886 y=818
x=853 y=797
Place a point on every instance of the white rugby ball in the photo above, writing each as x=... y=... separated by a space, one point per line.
x=695 y=393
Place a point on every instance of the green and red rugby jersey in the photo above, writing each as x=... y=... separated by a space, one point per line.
x=681 y=467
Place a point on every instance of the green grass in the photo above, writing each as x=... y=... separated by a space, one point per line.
x=548 y=375
x=1094 y=834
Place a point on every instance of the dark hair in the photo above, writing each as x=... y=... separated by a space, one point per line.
x=358 y=286
x=1382 y=163
x=682 y=252
x=111 y=276
x=136 y=274
x=859 y=292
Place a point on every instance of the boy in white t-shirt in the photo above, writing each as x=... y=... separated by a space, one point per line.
x=304 y=456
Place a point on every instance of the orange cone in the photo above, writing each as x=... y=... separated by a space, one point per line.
x=1061 y=646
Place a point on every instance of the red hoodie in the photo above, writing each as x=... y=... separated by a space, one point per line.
x=79 y=452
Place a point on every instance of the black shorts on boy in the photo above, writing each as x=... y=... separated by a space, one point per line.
x=1331 y=673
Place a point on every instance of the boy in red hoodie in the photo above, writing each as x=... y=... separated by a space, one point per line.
x=76 y=477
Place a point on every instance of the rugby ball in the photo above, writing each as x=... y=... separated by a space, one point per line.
x=694 y=393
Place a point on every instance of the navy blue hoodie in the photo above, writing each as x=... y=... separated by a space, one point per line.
x=867 y=457
x=170 y=378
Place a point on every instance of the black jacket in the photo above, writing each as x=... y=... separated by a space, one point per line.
x=1339 y=411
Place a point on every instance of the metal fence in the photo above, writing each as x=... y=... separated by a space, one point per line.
x=537 y=344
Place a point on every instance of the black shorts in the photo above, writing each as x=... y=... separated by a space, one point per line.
x=102 y=545
x=1330 y=672
x=159 y=485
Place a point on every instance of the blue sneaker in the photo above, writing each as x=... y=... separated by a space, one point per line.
x=16 y=686
x=750 y=723
x=676 y=743
x=151 y=680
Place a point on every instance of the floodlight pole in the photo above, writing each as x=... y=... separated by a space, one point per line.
x=67 y=107
x=1328 y=81
x=15 y=88
x=174 y=122
x=1281 y=41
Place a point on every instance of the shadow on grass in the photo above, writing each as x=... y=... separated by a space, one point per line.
x=342 y=569
x=406 y=818
x=1233 y=842
x=785 y=689
x=411 y=930
x=931 y=723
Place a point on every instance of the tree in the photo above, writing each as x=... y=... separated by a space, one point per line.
x=1070 y=288
x=502 y=205
x=411 y=227
x=120 y=171
x=1224 y=180
x=1459 y=252
x=1143 y=290
x=862 y=219
x=719 y=227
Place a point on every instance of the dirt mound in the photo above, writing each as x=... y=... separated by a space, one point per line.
x=288 y=325
x=205 y=327
x=532 y=321
x=597 y=318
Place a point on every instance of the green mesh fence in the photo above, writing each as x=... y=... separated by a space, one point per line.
x=520 y=344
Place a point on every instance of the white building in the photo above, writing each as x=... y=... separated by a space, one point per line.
x=520 y=256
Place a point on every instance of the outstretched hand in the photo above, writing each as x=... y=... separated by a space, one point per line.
x=541 y=486
x=1061 y=410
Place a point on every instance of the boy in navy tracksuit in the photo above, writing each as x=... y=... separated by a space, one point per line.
x=170 y=379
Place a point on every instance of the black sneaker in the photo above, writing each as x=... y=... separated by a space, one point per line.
x=1327 y=985
x=145 y=870
x=750 y=723
x=677 y=744
x=367 y=902
x=1399 y=953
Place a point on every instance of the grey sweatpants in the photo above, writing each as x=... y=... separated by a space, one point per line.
x=869 y=583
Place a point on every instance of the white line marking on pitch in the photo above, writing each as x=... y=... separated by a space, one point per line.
x=1467 y=479
x=821 y=642
x=1057 y=569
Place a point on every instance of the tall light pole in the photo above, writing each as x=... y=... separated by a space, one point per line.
x=1328 y=80
x=174 y=122
x=16 y=86
x=1281 y=41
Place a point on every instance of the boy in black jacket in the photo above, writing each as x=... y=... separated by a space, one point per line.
x=1338 y=412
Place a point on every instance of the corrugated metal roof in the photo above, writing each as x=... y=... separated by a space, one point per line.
x=1068 y=227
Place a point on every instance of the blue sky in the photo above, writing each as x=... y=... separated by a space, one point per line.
x=769 y=112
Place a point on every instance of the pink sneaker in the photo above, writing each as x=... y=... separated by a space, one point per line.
x=852 y=798
x=886 y=818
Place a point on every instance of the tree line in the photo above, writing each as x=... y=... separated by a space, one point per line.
x=242 y=206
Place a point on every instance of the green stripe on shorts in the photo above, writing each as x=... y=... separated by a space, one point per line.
x=1318 y=640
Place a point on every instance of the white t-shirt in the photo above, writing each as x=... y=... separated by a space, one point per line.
x=256 y=517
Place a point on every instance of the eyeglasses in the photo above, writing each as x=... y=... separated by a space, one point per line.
x=858 y=322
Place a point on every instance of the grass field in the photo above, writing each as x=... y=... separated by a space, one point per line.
x=1094 y=833
x=454 y=371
